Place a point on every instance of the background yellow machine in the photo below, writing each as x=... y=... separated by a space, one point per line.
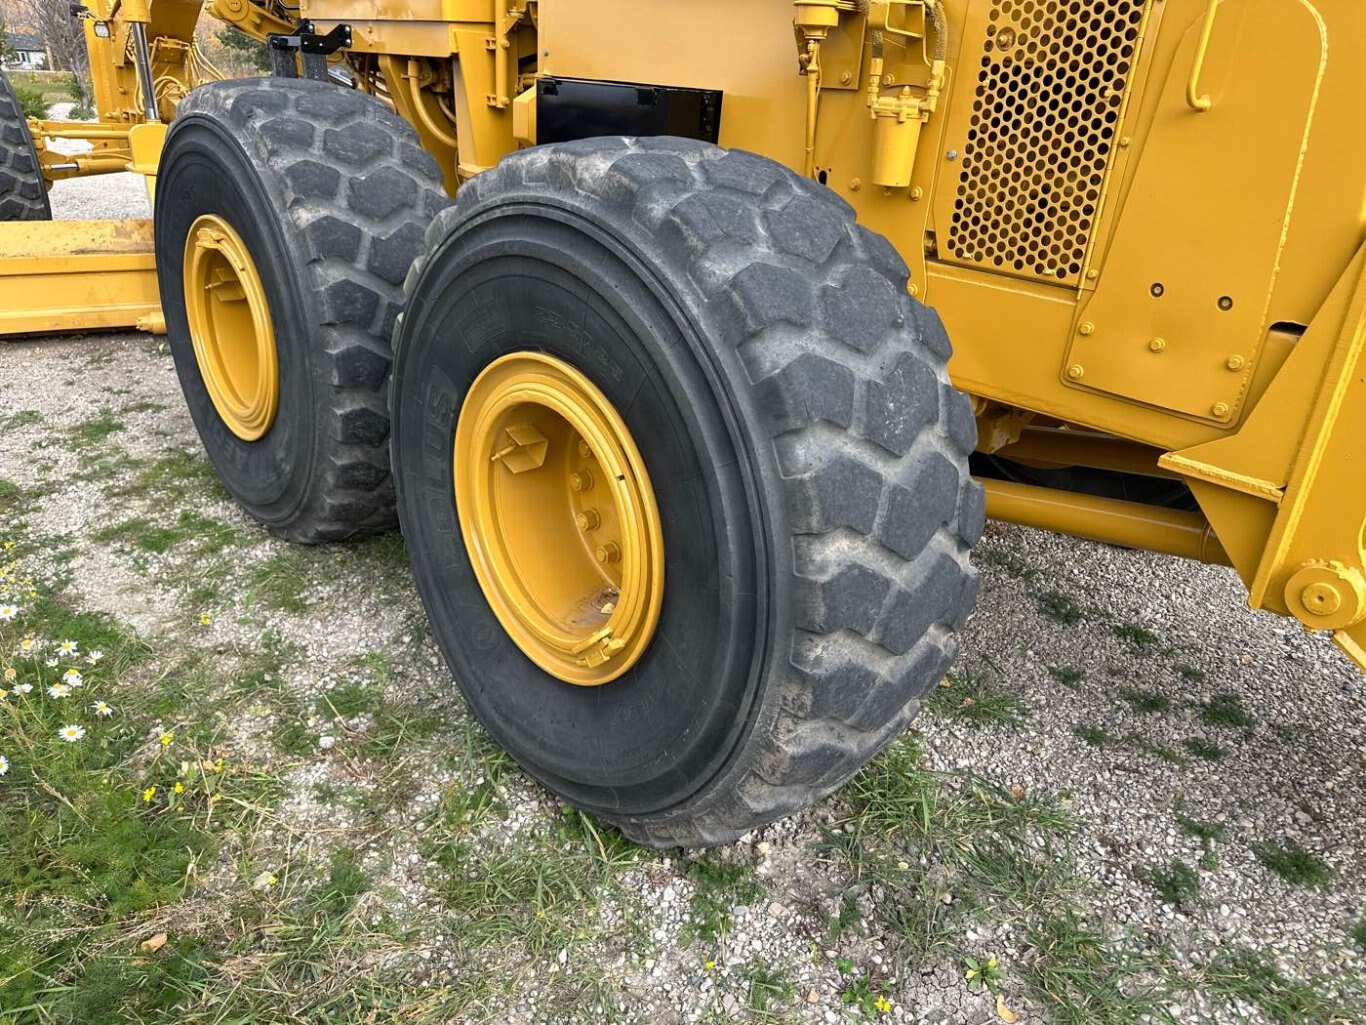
x=677 y=459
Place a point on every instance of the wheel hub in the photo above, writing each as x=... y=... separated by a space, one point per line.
x=231 y=328
x=559 y=518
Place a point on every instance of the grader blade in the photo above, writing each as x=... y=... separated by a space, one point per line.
x=68 y=276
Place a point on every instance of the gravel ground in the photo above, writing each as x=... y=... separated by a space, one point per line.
x=1115 y=659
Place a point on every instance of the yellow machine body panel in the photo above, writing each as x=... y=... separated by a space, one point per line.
x=77 y=276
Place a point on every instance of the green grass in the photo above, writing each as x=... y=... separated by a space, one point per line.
x=1226 y=709
x=1250 y=977
x=23 y=418
x=1202 y=748
x=1293 y=863
x=96 y=429
x=282 y=581
x=209 y=536
x=1209 y=832
x=1149 y=702
x=1359 y=934
x=1068 y=676
x=769 y=990
x=1138 y=637
x=53 y=86
x=918 y=835
x=84 y=854
x=1060 y=607
x=1175 y=882
x=1084 y=977
x=718 y=887
x=539 y=894
x=176 y=477
x=1010 y=560
x=1092 y=735
x=971 y=697
x=12 y=496
x=1190 y=674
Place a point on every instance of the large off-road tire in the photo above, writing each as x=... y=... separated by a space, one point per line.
x=807 y=453
x=23 y=195
x=324 y=193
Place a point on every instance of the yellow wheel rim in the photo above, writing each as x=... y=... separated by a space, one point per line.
x=230 y=328
x=559 y=518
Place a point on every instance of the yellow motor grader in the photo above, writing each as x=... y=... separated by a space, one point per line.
x=636 y=317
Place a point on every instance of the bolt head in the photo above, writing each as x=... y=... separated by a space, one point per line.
x=1236 y=363
x=1157 y=344
x=1087 y=328
x=1322 y=599
x=1220 y=409
x=1075 y=371
x=610 y=552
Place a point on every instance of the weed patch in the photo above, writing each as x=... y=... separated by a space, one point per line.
x=1176 y=882
x=1293 y=863
x=1149 y=702
x=1060 y=607
x=1201 y=748
x=972 y=697
x=1092 y=735
x=1226 y=709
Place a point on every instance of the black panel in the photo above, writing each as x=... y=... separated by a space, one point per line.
x=573 y=108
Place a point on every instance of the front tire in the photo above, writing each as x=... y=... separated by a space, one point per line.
x=311 y=201
x=807 y=453
x=23 y=194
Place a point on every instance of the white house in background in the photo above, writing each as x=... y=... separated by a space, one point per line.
x=29 y=53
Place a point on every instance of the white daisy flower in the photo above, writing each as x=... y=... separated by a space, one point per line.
x=68 y=647
x=10 y=672
x=4 y=765
x=102 y=709
x=27 y=645
x=71 y=734
x=73 y=677
x=51 y=663
x=22 y=688
x=94 y=656
x=8 y=612
x=58 y=690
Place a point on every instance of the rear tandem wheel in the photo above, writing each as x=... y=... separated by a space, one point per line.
x=683 y=480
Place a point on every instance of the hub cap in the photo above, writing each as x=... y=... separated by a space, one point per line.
x=559 y=518
x=231 y=328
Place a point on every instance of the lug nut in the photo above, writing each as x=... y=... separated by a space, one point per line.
x=580 y=481
x=608 y=552
x=588 y=519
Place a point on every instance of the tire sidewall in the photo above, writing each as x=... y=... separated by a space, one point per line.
x=701 y=408
x=44 y=199
x=270 y=475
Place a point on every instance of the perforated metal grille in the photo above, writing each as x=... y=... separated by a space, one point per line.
x=1049 y=93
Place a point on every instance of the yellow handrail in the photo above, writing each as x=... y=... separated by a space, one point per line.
x=1198 y=102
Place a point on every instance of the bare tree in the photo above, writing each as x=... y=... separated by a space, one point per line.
x=64 y=36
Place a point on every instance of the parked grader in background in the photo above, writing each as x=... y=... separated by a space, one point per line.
x=669 y=432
